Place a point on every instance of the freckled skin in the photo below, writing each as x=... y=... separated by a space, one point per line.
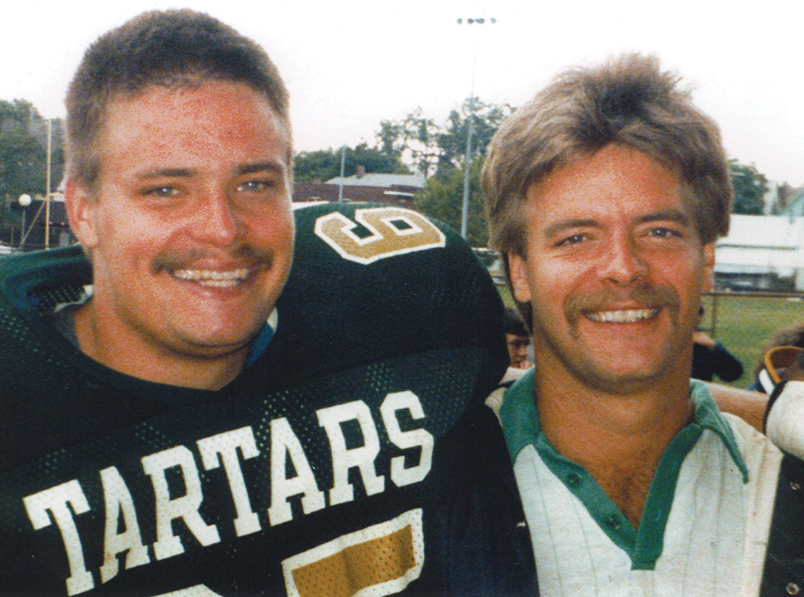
x=190 y=231
x=609 y=234
x=614 y=272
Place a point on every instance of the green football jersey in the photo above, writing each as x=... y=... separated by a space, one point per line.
x=352 y=456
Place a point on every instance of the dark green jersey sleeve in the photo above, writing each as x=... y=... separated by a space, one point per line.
x=353 y=456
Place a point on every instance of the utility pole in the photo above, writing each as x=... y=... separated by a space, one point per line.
x=343 y=164
x=47 y=183
x=470 y=133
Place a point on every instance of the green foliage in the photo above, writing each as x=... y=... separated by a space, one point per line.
x=439 y=153
x=442 y=199
x=23 y=159
x=325 y=164
x=485 y=120
x=430 y=147
x=23 y=150
x=413 y=139
x=749 y=188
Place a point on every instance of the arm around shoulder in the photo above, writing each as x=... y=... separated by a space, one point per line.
x=748 y=405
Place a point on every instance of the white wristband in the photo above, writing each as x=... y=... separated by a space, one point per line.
x=785 y=423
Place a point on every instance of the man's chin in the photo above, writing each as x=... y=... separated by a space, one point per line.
x=214 y=346
x=624 y=380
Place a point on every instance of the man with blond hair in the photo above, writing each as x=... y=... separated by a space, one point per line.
x=606 y=194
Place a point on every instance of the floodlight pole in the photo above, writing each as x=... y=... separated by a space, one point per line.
x=47 y=184
x=343 y=163
x=468 y=165
x=24 y=201
x=470 y=133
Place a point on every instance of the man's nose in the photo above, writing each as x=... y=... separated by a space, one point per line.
x=624 y=263
x=217 y=220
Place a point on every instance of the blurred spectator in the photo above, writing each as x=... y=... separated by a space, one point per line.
x=772 y=363
x=710 y=358
x=518 y=338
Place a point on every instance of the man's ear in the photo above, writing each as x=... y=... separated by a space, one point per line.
x=82 y=212
x=520 y=276
x=709 y=267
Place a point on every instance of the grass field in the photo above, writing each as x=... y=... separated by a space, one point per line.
x=742 y=324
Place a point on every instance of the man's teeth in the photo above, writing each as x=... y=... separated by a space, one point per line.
x=207 y=277
x=623 y=316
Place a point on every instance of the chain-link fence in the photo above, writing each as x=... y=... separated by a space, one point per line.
x=745 y=321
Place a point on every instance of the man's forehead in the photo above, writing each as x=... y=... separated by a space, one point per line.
x=150 y=100
x=236 y=169
x=192 y=119
x=634 y=176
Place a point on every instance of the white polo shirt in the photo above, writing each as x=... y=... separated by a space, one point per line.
x=704 y=528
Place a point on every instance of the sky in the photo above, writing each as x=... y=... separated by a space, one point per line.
x=353 y=63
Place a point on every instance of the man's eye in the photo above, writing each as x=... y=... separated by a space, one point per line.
x=256 y=186
x=663 y=232
x=162 y=191
x=571 y=240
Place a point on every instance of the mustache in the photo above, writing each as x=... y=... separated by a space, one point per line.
x=183 y=259
x=645 y=294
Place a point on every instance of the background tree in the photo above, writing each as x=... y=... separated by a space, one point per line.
x=439 y=153
x=432 y=148
x=325 y=164
x=23 y=159
x=441 y=199
x=486 y=119
x=784 y=195
x=412 y=139
x=750 y=187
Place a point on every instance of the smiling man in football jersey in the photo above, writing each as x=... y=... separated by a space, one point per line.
x=186 y=414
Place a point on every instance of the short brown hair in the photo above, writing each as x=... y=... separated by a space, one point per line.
x=627 y=101
x=174 y=48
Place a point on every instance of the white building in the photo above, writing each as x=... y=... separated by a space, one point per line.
x=762 y=252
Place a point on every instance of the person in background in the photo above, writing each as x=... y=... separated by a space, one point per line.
x=710 y=358
x=777 y=354
x=606 y=193
x=518 y=339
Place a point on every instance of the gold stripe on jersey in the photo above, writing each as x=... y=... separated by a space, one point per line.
x=379 y=560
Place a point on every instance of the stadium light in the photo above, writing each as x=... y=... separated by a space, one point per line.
x=24 y=201
x=471 y=132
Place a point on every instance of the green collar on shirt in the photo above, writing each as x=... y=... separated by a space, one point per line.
x=521 y=427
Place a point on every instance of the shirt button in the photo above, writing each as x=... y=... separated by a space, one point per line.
x=613 y=521
x=793 y=589
x=573 y=480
